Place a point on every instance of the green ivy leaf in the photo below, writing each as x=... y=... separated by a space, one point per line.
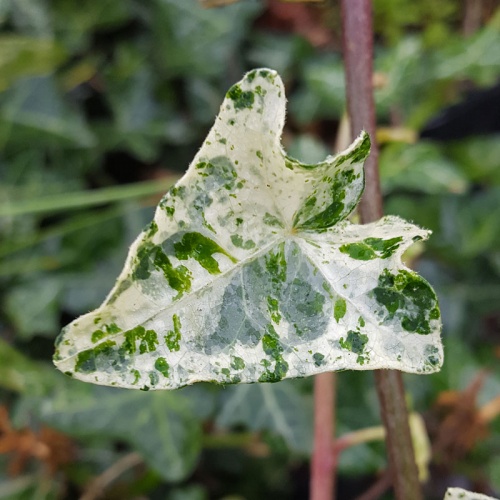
x=279 y=408
x=251 y=272
x=160 y=426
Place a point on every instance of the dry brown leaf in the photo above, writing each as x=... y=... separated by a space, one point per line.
x=47 y=446
x=462 y=422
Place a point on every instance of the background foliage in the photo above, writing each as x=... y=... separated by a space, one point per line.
x=102 y=104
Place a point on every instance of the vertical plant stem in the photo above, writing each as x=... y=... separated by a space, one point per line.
x=322 y=464
x=358 y=58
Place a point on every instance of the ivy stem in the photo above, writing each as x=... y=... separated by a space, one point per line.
x=358 y=59
x=322 y=482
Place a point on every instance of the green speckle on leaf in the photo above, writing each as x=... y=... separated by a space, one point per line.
x=372 y=248
x=339 y=309
x=152 y=229
x=199 y=247
x=360 y=153
x=106 y=330
x=432 y=353
x=237 y=241
x=358 y=251
x=318 y=358
x=173 y=337
x=272 y=220
x=409 y=298
x=314 y=305
x=354 y=342
x=153 y=378
x=259 y=155
x=276 y=264
x=147 y=339
x=86 y=360
x=136 y=375
x=151 y=256
x=242 y=98
x=273 y=348
x=162 y=366
x=271 y=343
x=273 y=307
x=435 y=313
x=320 y=215
x=237 y=363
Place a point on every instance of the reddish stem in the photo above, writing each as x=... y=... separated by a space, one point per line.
x=358 y=57
x=323 y=461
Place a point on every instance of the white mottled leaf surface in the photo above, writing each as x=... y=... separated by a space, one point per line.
x=251 y=272
x=461 y=494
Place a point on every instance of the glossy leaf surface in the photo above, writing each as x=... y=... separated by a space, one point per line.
x=251 y=272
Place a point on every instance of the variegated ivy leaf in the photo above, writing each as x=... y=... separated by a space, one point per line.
x=461 y=494
x=251 y=272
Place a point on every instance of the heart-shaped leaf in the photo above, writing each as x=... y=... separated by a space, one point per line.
x=250 y=272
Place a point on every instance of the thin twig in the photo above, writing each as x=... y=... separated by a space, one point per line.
x=378 y=488
x=358 y=57
x=101 y=482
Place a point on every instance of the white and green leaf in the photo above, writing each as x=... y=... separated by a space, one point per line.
x=461 y=494
x=250 y=271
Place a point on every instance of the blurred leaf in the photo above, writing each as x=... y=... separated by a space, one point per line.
x=421 y=167
x=282 y=53
x=31 y=17
x=361 y=459
x=23 y=56
x=193 y=492
x=477 y=58
x=18 y=373
x=494 y=472
x=191 y=40
x=86 y=290
x=140 y=119
x=35 y=112
x=478 y=158
x=322 y=94
x=405 y=69
x=420 y=208
x=204 y=99
x=30 y=487
x=75 y=24
x=472 y=224
x=277 y=408
x=161 y=426
x=42 y=315
x=32 y=173
x=392 y=18
x=308 y=149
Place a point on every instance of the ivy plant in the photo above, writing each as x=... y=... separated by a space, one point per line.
x=251 y=272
